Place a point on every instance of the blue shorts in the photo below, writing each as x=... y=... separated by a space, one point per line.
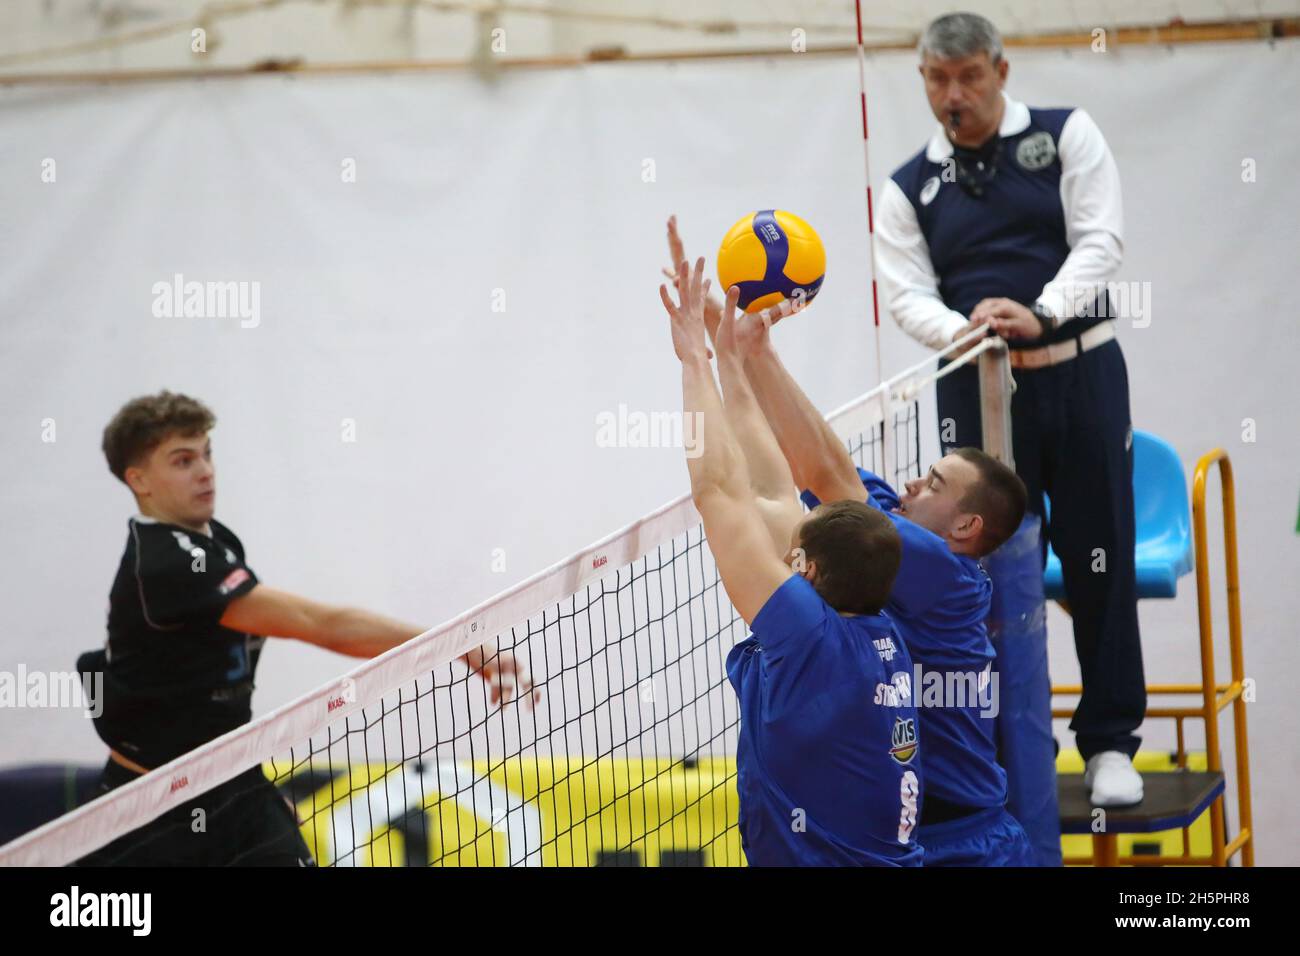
x=990 y=837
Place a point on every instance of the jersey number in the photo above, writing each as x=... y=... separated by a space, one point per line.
x=909 y=791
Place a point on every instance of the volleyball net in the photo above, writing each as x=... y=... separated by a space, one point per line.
x=626 y=758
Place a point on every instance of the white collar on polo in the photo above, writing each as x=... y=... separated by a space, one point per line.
x=1014 y=120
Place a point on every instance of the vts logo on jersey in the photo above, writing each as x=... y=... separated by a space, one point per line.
x=904 y=745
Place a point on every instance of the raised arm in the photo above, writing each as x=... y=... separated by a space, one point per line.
x=676 y=256
x=769 y=473
x=818 y=458
x=720 y=484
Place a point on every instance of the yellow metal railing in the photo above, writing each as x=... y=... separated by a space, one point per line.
x=1214 y=702
x=1215 y=697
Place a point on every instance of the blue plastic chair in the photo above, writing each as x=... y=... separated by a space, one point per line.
x=1163 y=513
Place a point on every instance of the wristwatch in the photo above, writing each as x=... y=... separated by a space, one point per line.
x=1044 y=316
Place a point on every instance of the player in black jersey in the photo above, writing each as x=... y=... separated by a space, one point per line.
x=186 y=624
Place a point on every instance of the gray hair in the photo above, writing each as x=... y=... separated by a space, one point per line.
x=959 y=35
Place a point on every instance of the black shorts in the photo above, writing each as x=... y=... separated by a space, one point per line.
x=242 y=822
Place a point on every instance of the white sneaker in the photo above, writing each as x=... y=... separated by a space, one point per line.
x=1113 y=781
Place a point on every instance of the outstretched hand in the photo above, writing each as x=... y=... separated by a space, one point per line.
x=676 y=254
x=775 y=313
x=740 y=335
x=676 y=251
x=504 y=674
x=687 y=316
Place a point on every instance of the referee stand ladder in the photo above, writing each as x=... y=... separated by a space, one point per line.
x=1176 y=799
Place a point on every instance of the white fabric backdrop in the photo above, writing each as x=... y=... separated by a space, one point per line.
x=476 y=429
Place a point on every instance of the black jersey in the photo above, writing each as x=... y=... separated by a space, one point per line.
x=174 y=678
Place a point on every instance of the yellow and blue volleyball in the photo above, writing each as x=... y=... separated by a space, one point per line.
x=772 y=255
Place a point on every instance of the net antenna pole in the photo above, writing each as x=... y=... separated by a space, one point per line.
x=996 y=387
x=888 y=449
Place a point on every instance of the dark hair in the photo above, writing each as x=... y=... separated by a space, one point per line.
x=144 y=423
x=999 y=497
x=857 y=551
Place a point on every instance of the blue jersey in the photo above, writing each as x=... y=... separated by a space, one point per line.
x=828 y=767
x=939 y=603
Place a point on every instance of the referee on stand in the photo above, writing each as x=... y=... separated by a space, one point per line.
x=1010 y=219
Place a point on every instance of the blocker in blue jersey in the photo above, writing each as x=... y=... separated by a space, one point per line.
x=965 y=508
x=829 y=753
x=940 y=602
x=828 y=762
x=1010 y=219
